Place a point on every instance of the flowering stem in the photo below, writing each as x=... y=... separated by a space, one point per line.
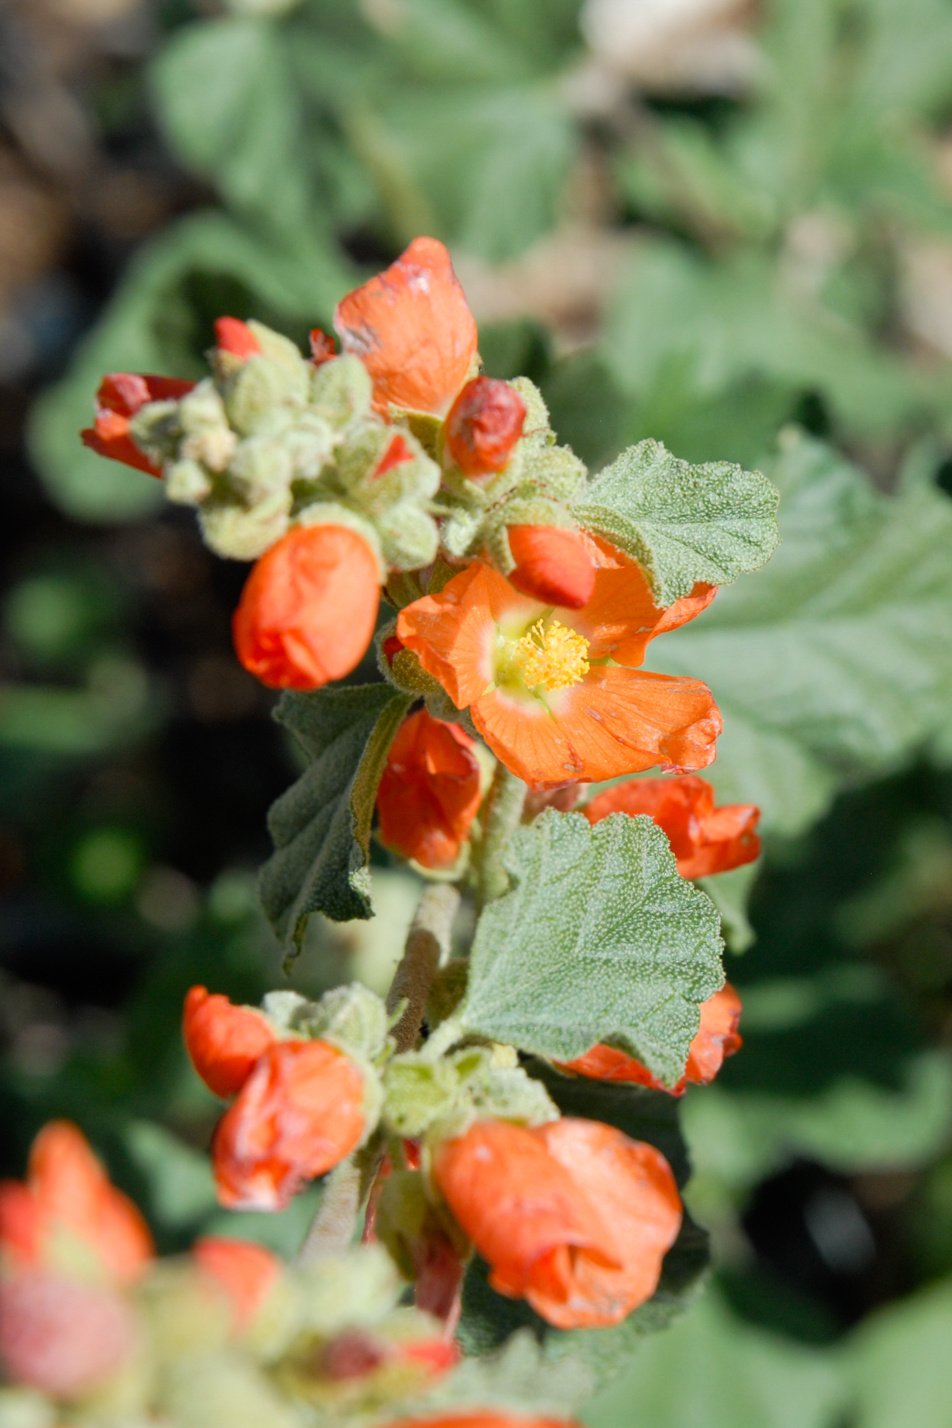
x=504 y=807
x=428 y=943
x=345 y=1191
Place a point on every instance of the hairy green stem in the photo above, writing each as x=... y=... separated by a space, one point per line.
x=345 y=1191
x=427 y=945
x=504 y=807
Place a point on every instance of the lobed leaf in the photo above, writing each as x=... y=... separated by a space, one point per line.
x=321 y=826
x=683 y=523
x=600 y=939
x=836 y=661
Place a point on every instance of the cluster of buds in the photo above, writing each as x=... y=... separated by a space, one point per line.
x=336 y=473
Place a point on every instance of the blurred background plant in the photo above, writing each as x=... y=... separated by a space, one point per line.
x=721 y=224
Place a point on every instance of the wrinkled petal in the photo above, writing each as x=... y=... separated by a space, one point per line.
x=429 y=793
x=636 y=1194
x=120 y=396
x=615 y=721
x=522 y=1210
x=717 y=1038
x=298 y=1115
x=704 y=839
x=413 y=330
x=224 y=1041
x=483 y=425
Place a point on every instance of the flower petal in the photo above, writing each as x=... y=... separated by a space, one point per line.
x=636 y=1195
x=704 y=839
x=413 y=330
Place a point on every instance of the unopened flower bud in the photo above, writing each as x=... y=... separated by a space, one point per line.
x=308 y=609
x=260 y=390
x=341 y=389
x=552 y=564
x=224 y=1041
x=236 y=337
x=187 y=483
x=61 y=1336
x=483 y=425
x=235 y=533
x=300 y=1112
x=430 y=791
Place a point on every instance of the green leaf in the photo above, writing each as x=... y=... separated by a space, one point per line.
x=898 y=1362
x=836 y=661
x=321 y=826
x=683 y=523
x=835 y=1068
x=230 y=111
x=718 y=1369
x=599 y=940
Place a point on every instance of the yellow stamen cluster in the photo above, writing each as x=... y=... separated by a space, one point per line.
x=551 y=656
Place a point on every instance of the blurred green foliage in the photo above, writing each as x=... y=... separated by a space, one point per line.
x=762 y=244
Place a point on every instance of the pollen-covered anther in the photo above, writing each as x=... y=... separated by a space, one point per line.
x=551 y=656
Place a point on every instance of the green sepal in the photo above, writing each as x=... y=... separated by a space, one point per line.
x=683 y=523
x=321 y=826
x=598 y=940
x=341 y=390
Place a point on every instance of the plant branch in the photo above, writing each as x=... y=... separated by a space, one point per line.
x=504 y=807
x=428 y=944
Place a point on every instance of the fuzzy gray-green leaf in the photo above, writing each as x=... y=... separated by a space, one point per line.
x=683 y=523
x=600 y=939
x=321 y=826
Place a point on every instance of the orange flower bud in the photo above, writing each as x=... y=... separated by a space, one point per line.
x=412 y=329
x=223 y=1040
x=120 y=396
x=483 y=1418
x=234 y=336
x=572 y=1216
x=68 y=1192
x=308 y=609
x=704 y=839
x=483 y=425
x=62 y=1337
x=246 y=1272
x=323 y=347
x=430 y=790
x=299 y=1113
x=553 y=564
x=717 y=1038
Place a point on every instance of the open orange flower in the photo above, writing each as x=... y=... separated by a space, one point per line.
x=557 y=693
x=223 y=1040
x=572 y=1216
x=308 y=609
x=300 y=1112
x=716 y=1039
x=120 y=396
x=412 y=329
x=245 y=1272
x=704 y=839
x=68 y=1197
x=430 y=790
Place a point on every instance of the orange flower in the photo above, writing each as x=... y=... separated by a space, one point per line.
x=60 y=1336
x=223 y=1040
x=412 y=329
x=704 y=839
x=483 y=1418
x=120 y=396
x=308 y=609
x=716 y=1039
x=236 y=337
x=483 y=425
x=572 y=1216
x=553 y=565
x=429 y=793
x=246 y=1272
x=556 y=693
x=299 y=1113
x=68 y=1194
